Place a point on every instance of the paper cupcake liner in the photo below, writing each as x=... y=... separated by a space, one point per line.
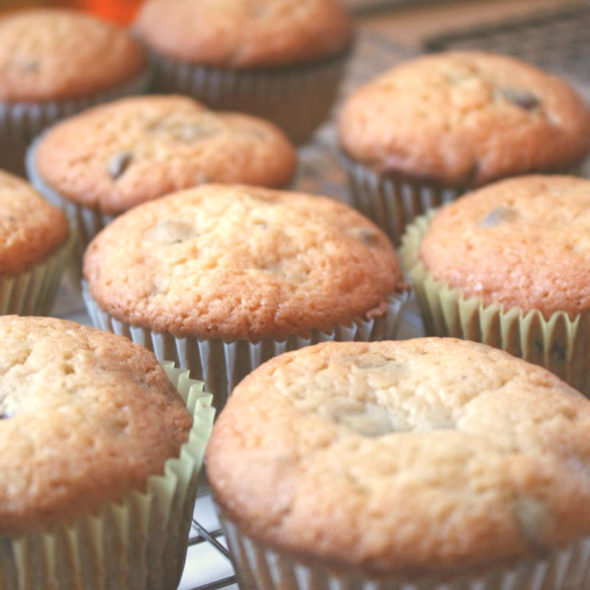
x=21 y=122
x=88 y=221
x=392 y=203
x=33 y=292
x=560 y=344
x=259 y=567
x=137 y=543
x=222 y=365
x=296 y=98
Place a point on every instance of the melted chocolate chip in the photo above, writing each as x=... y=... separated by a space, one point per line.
x=522 y=98
x=119 y=163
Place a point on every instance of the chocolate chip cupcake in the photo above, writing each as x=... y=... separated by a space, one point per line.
x=278 y=59
x=222 y=277
x=99 y=459
x=54 y=63
x=509 y=265
x=35 y=245
x=431 y=129
x=427 y=464
x=140 y=148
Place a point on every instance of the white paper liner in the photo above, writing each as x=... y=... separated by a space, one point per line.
x=137 y=543
x=392 y=203
x=258 y=567
x=296 y=98
x=21 y=122
x=222 y=365
x=33 y=292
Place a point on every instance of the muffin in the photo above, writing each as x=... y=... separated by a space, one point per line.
x=35 y=244
x=99 y=459
x=220 y=278
x=427 y=463
x=430 y=129
x=279 y=59
x=54 y=63
x=509 y=265
x=140 y=148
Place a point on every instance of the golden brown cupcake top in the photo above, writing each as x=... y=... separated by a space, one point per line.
x=120 y=154
x=465 y=119
x=30 y=228
x=229 y=261
x=85 y=416
x=245 y=33
x=411 y=457
x=59 y=54
x=522 y=242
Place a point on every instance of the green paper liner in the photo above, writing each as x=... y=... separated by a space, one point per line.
x=560 y=344
x=33 y=292
x=139 y=542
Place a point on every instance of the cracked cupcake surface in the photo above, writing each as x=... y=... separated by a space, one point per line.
x=232 y=261
x=85 y=416
x=464 y=119
x=427 y=456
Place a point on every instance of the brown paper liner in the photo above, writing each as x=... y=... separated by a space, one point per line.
x=296 y=98
x=560 y=344
x=33 y=292
x=21 y=122
x=259 y=567
x=391 y=202
x=139 y=542
x=222 y=365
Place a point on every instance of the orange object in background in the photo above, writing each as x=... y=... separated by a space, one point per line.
x=121 y=11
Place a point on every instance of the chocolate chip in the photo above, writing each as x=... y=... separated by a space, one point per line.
x=522 y=98
x=11 y=218
x=497 y=216
x=366 y=235
x=4 y=415
x=31 y=67
x=119 y=163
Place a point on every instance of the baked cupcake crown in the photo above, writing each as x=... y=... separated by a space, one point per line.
x=136 y=149
x=410 y=457
x=231 y=261
x=56 y=54
x=245 y=33
x=465 y=119
x=85 y=416
x=521 y=242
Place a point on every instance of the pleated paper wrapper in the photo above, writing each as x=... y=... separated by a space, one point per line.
x=221 y=365
x=560 y=344
x=21 y=122
x=139 y=542
x=260 y=567
x=296 y=98
x=33 y=291
x=394 y=202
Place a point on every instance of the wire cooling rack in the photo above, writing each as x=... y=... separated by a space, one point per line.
x=555 y=40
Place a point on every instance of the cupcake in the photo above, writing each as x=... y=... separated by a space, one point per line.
x=273 y=58
x=432 y=128
x=222 y=277
x=54 y=63
x=426 y=464
x=35 y=245
x=140 y=148
x=99 y=459
x=509 y=265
